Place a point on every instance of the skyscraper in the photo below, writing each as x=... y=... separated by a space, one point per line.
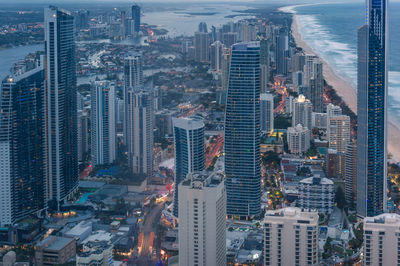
x=264 y=64
x=22 y=175
x=189 y=150
x=282 y=52
x=136 y=18
x=242 y=132
x=203 y=27
x=216 y=49
x=267 y=112
x=350 y=181
x=372 y=111
x=338 y=131
x=83 y=133
x=202 y=225
x=133 y=80
x=302 y=112
x=201 y=43
x=140 y=125
x=61 y=106
x=103 y=126
x=316 y=87
x=226 y=59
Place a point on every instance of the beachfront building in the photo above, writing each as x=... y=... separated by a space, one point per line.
x=291 y=237
x=242 y=133
x=372 y=111
x=316 y=87
x=189 y=150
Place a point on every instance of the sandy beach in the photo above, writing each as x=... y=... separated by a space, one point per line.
x=347 y=92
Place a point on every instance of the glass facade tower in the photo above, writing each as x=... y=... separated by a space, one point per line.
x=189 y=150
x=61 y=106
x=22 y=182
x=372 y=111
x=242 y=132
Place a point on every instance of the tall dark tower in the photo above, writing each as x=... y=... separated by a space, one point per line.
x=61 y=106
x=242 y=133
x=372 y=111
x=136 y=18
x=22 y=176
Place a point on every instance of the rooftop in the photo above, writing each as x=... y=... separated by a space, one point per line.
x=198 y=180
x=293 y=213
x=55 y=242
x=385 y=218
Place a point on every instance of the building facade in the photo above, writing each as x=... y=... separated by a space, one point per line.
x=291 y=237
x=338 y=130
x=202 y=225
x=382 y=240
x=201 y=43
x=22 y=157
x=136 y=13
x=242 y=132
x=316 y=193
x=189 y=150
x=298 y=139
x=103 y=126
x=302 y=112
x=61 y=106
x=267 y=112
x=139 y=128
x=372 y=111
x=350 y=182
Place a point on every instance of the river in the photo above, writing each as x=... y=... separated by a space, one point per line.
x=10 y=56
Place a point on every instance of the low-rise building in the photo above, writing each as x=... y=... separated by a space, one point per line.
x=96 y=253
x=55 y=250
x=316 y=193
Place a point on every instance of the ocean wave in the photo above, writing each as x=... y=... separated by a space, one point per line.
x=341 y=56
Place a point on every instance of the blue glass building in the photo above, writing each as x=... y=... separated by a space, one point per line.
x=189 y=150
x=242 y=132
x=372 y=111
x=136 y=18
x=61 y=106
x=22 y=174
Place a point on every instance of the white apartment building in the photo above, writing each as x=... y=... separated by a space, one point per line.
x=290 y=237
x=298 y=139
x=316 y=193
x=382 y=240
x=202 y=212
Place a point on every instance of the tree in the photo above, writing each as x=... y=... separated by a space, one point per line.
x=339 y=198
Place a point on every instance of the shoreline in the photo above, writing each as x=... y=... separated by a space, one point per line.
x=347 y=92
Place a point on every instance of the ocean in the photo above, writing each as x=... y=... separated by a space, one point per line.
x=331 y=30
